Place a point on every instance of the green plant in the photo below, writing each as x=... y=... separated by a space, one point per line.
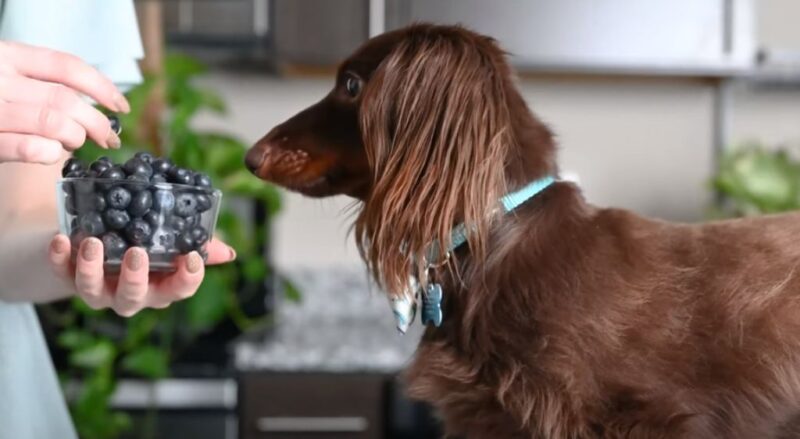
x=754 y=179
x=101 y=346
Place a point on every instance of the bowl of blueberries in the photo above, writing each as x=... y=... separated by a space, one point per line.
x=146 y=202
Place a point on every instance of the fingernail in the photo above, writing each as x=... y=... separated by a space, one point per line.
x=113 y=140
x=233 y=253
x=194 y=262
x=92 y=249
x=135 y=259
x=59 y=246
x=122 y=103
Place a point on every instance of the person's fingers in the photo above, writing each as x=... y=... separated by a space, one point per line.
x=133 y=283
x=24 y=90
x=219 y=252
x=41 y=121
x=53 y=66
x=89 y=275
x=59 y=255
x=29 y=148
x=182 y=284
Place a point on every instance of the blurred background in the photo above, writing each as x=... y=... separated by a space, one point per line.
x=683 y=110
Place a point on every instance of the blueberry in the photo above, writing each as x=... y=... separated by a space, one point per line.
x=100 y=166
x=199 y=235
x=177 y=223
x=116 y=219
x=91 y=202
x=113 y=173
x=164 y=237
x=163 y=201
x=161 y=166
x=202 y=180
x=140 y=181
x=185 y=205
x=118 y=198
x=70 y=205
x=203 y=202
x=158 y=178
x=73 y=225
x=114 y=245
x=140 y=203
x=92 y=224
x=76 y=174
x=184 y=243
x=71 y=165
x=99 y=202
x=76 y=237
x=144 y=156
x=137 y=166
x=153 y=218
x=92 y=174
x=83 y=188
x=116 y=126
x=180 y=176
x=105 y=159
x=138 y=232
x=192 y=221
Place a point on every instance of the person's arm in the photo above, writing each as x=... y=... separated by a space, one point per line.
x=28 y=222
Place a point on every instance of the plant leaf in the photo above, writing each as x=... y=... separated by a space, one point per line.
x=290 y=291
x=208 y=306
x=75 y=338
x=99 y=353
x=254 y=269
x=147 y=361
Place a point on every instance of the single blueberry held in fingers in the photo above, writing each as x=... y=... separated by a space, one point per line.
x=177 y=223
x=116 y=219
x=92 y=224
x=185 y=205
x=203 y=202
x=161 y=166
x=137 y=166
x=144 y=156
x=138 y=232
x=202 y=180
x=116 y=126
x=71 y=165
x=140 y=203
x=184 y=243
x=163 y=201
x=114 y=245
x=118 y=198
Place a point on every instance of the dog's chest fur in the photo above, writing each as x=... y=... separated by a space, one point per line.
x=606 y=325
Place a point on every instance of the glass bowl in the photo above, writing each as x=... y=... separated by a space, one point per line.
x=165 y=219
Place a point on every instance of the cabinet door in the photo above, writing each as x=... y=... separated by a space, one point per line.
x=312 y=406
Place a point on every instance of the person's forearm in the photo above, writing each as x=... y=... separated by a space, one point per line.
x=25 y=273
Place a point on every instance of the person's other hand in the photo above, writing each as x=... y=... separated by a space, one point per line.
x=42 y=112
x=133 y=288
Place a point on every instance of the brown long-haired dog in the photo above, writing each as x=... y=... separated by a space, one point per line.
x=561 y=320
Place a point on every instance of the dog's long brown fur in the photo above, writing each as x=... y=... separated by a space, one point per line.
x=562 y=320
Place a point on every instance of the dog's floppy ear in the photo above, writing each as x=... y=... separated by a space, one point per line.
x=436 y=130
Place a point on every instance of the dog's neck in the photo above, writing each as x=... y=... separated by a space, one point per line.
x=533 y=154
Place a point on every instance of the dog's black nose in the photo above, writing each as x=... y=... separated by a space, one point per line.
x=254 y=158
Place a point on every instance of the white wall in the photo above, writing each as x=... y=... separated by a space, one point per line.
x=639 y=144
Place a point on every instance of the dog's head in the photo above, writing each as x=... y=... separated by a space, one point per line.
x=419 y=127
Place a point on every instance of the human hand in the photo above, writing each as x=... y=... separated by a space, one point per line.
x=134 y=288
x=42 y=112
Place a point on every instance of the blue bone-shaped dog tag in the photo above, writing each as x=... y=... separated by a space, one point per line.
x=432 y=305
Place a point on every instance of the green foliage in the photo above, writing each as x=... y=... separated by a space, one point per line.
x=101 y=346
x=756 y=180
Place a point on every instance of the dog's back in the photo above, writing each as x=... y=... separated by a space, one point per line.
x=600 y=323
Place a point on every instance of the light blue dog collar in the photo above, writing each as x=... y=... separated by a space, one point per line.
x=404 y=307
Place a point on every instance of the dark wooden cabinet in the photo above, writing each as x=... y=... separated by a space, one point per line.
x=312 y=406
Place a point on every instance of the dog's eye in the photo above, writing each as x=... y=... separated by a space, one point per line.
x=352 y=85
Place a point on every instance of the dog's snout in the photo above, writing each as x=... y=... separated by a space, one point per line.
x=254 y=158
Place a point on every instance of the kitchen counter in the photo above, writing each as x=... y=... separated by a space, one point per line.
x=343 y=324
